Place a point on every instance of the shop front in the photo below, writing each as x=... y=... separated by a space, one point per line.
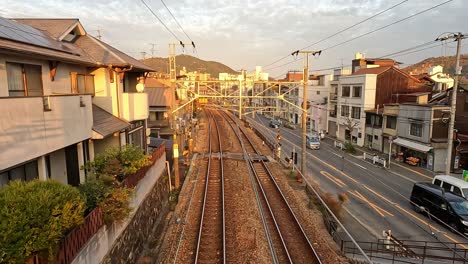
x=414 y=153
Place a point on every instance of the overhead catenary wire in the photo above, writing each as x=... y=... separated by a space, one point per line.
x=160 y=20
x=343 y=30
x=388 y=25
x=180 y=26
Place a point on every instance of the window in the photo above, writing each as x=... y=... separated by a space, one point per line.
x=437 y=182
x=345 y=91
x=345 y=110
x=357 y=91
x=457 y=191
x=25 y=172
x=82 y=83
x=446 y=186
x=24 y=79
x=376 y=137
x=391 y=122
x=318 y=92
x=356 y=112
x=416 y=129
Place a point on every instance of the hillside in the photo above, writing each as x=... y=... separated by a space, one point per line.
x=447 y=62
x=190 y=63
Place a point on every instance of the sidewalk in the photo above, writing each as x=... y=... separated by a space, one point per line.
x=395 y=166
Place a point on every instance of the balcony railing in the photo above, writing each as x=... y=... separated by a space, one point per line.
x=332 y=113
x=39 y=124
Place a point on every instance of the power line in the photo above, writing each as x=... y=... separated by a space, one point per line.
x=386 y=26
x=176 y=20
x=343 y=30
x=156 y=16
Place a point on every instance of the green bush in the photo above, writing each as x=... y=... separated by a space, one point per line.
x=35 y=216
x=118 y=163
x=116 y=207
x=349 y=147
x=94 y=191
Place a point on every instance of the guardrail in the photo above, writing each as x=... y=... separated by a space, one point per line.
x=375 y=159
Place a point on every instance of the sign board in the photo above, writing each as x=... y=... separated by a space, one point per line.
x=465 y=175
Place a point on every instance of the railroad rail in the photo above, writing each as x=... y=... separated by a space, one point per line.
x=286 y=235
x=211 y=244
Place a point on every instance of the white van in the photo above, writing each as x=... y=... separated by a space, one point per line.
x=452 y=184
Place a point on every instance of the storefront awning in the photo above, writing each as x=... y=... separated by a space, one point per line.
x=412 y=145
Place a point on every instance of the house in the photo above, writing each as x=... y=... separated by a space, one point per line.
x=45 y=125
x=367 y=90
x=65 y=96
x=422 y=133
x=115 y=77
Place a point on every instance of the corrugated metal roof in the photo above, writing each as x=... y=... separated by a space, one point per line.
x=159 y=96
x=105 y=123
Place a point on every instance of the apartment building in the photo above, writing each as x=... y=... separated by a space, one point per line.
x=65 y=96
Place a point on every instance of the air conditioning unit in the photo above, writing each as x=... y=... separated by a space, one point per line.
x=46 y=103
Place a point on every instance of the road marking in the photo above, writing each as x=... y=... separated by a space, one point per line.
x=414 y=171
x=455 y=241
x=360 y=166
x=404 y=177
x=333 y=179
x=377 y=208
x=336 y=154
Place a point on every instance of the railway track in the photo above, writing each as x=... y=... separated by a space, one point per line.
x=211 y=246
x=287 y=239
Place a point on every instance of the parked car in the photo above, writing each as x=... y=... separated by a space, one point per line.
x=313 y=141
x=290 y=125
x=445 y=206
x=275 y=123
x=452 y=184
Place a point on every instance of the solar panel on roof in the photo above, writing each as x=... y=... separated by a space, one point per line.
x=23 y=33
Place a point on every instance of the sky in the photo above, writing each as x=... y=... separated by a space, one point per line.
x=245 y=33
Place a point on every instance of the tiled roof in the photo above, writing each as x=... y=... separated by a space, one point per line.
x=105 y=123
x=105 y=54
x=99 y=52
x=24 y=48
x=54 y=27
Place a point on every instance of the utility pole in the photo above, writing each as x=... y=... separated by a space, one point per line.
x=453 y=106
x=305 y=81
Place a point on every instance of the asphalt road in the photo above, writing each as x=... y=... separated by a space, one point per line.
x=378 y=198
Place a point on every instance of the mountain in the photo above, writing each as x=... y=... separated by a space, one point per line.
x=448 y=62
x=190 y=63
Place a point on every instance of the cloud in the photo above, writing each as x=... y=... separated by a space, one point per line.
x=245 y=33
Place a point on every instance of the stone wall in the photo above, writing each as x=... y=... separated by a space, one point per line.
x=110 y=243
x=129 y=245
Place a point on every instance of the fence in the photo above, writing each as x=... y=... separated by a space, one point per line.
x=79 y=236
x=132 y=179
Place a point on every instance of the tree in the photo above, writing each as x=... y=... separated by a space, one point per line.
x=350 y=124
x=35 y=216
